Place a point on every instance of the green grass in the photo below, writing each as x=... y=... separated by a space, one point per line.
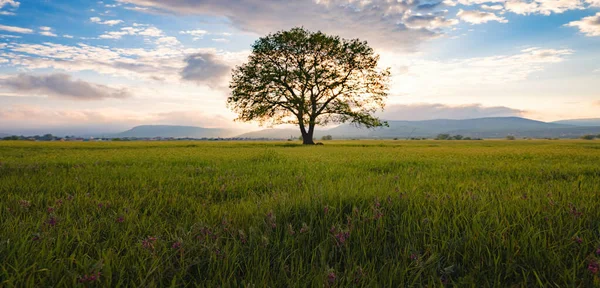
x=420 y=213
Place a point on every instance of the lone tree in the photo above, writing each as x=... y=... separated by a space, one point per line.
x=309 y=79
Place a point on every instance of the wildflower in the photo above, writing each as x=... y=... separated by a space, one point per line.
x=598 y=251
x=176 y=245
x=25 y=203
x=358 y=275
x=291 y=229
x=59 y=202
x=70 y=197
x=50 y=210
x=414 y=257
x=444 y=279
x=148 y=243
x=243 y=237
x=331 y=277
x=341 y=237
x=578 y=240
x=121 y=219
x=52 y=221
x=304 y=228
x=36 y=237
x=377 y=215
x=89 y=278
x=377 y=204
x=271 y=220
x=593 y=267
x=326 y=209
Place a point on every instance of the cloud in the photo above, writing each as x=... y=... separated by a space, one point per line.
x=68 y=36
x=25 y=118
x=429 y=21
x=479 y=17
x=107 y=22
x=61 y=86
x=492 y=8
x=590 y=26
x=169 y=41
x=197 y=33
x=205 y=68
x=597 y=103
x=594 y=3
x=378 y=21
x=544 y=7
x=220 y=40
x=15 y=29
x=423 y=111
x=439 y=78
x=136 y=30
x=163 y=63
x=14 y=4
x=46 y=31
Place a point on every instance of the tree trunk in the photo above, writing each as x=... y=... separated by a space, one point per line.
x=307 y=137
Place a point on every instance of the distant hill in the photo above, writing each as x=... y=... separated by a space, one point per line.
x=498 y=127
x=580 y=122
x=150 y=131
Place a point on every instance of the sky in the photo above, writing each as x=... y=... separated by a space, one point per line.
x=106 y=66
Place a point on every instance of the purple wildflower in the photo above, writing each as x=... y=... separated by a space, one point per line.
x=593 y=267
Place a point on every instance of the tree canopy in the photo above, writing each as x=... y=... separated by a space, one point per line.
x=309 y=79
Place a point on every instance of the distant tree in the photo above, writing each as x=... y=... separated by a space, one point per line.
x=442 y=137
x=327 y=137
x=309 y=79
x=588 y=137
x=511 y=137
x=458 y=137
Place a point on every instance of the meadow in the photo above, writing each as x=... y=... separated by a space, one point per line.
x=277 y=214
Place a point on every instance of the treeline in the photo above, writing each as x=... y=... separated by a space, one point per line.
x=455 y=137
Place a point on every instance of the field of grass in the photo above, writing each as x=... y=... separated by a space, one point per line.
x=354 y=213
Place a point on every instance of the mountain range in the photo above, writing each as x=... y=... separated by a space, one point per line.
x=498 y=127
x=580 y=122
x=150 y=131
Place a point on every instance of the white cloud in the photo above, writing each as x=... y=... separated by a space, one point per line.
x=594 y=3
x=426 y=77
x=220 y=40
x=169 y=41
x=479 y=17
x=107 y=22
x=429 y=21
x=196 y=33
x=48 y=33
x=16 y=29
x=149 y=32
x=7 y=13
x=380 y=22
x=590 y=26
x=14 y=4
x=164 y=63
x=492 y=8
x=544 y=7
x=136 y=8
x=152 y=32
x=67 y=36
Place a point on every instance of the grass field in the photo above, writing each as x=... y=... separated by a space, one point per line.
x=355 y=213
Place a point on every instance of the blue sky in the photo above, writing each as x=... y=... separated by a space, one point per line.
x=110 y=65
